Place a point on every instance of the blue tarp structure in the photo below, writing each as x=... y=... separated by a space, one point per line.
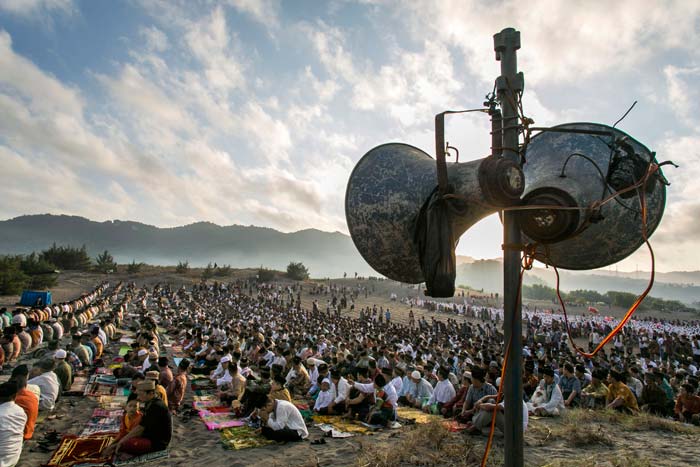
x=33 y=298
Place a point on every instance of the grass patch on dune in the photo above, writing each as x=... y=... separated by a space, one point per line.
x=430 y=445
x=597 y=460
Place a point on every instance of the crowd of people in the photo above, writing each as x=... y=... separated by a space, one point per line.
x=262 y=350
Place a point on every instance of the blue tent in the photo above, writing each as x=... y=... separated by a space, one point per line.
x=34 y=298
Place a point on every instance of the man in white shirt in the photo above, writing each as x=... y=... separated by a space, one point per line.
x=443 y=392
x=43 y=376
x=12 y=422
x=342 y=391
x=282 y=421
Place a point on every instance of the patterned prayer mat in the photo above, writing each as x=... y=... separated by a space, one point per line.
x=145 y=458
x=78 y=450
x=112 y=402
x=416 y=415
x=340 y=425
x=103 y=424
x=78 y=387
x=218 y=421
x=243 y=437
x=204 y=397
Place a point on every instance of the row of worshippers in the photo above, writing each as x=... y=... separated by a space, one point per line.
x=25 y=330
x=625 y=391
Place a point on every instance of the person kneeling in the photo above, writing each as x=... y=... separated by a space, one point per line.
x=153 y=432
x=282 y=421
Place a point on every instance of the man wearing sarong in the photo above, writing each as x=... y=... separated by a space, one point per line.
x=155 y=429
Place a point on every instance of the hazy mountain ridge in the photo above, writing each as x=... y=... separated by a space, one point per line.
x=488 y=275
x=326 y=254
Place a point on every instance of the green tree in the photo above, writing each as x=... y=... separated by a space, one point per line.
x=182 y=267
x=134 y=267
x=66 y=257
x=224 y=270
x=265 y=275
x=105 y=263
x=539 y=292
x=297 y=271
x=208 y=272
x=12 y=279
x=42 y=274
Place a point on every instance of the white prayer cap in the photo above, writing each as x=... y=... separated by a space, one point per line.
x=415 y=374
x=60 y=353
x=225 y=359
x=142 y=352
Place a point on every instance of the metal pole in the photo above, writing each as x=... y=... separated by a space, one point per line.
x=506 y=43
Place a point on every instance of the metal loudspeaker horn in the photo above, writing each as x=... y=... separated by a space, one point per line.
x=576 y=168
x=392 y=184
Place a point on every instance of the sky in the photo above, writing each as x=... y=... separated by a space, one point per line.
x=255 y=112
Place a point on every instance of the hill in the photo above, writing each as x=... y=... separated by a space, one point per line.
x=324 y=253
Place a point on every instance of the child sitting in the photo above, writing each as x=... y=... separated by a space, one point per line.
x=325 y=397
x=131 y=418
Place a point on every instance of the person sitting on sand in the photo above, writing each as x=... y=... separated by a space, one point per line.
x=620 y=397
x=653 y=398
x=277 y=389
x=325 y=397
x=154 y=431
x=131 y=418
x=342 y=392
x=282 y=421
x=26 y=399
x=547 y=401
x=595 y=394
x=63 y=370
x=687 y=404
x=385 y=397
x=442 y=394
x=234 y=390
x=160 y=390
x=12 y=423
x=478 y=389
x=420 y=392
x=454 y=406
x=483 y=417
x=43 y=376
x=176 y=388
x=297 y=379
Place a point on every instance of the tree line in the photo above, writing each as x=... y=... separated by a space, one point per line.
x=612 y=298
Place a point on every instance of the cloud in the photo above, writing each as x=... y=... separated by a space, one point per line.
x=683 y=93
x=572 y=40
x=265 y=12
x=37 y=9
x=210 y=42
x=156 y=40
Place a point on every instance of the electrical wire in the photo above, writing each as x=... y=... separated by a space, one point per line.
x=628 y=315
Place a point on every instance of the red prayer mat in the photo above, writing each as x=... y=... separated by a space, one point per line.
x=76 y=450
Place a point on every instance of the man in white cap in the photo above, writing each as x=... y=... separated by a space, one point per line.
x=143 y=360
x=63 y=370
x=225 y=376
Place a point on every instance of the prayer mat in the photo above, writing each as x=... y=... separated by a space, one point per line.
x=98 y=412
x=340 y=424
x=332 y=432
x=205 y=397
x=416 y=415
x=112 y=402
x=145 y=458
x=301 y=405
x=217 y=421
x=99 y=389
x=98 y=424
x=103 y=371
x=204 y=393
x=454 y=426
x=243 y=437
x=77 y=450
x=124 y=350
x=78 y=387
x=206 y=405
